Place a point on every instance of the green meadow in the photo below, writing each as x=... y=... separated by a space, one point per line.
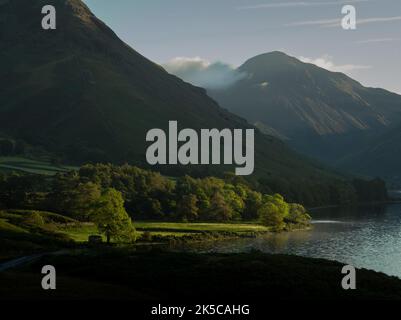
x=182 y=227
x=44 y=167
x=81 y=231
x=25 y=231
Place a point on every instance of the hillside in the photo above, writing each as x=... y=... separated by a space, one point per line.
x=381 y=157
x=323 y=114
x=83 y=95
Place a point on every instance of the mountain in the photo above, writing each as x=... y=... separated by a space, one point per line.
x=324 y=114
x=82 y=94
x=381 y=157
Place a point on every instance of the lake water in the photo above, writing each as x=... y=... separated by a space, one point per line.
x=365 y=237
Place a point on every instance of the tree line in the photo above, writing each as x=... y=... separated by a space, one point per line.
x=91 y=192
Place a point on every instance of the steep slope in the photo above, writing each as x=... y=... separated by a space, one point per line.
x=381 y=157
x=81 y=89
x=81 y=93
x=323 y=114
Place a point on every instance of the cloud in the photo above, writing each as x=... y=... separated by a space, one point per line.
x=327 y=63
x=321 y=23
x=298 y=4
x=202 y=73
x=330 y=23
x=376 y=40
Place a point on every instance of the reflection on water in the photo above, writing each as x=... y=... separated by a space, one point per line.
x=366 y=237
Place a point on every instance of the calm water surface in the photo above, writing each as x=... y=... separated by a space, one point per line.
x=366 y=237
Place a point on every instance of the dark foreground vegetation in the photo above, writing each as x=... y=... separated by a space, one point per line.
x=181 y=277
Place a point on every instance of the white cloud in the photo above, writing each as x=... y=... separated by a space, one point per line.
x=203 y=73
x=330 y=23
x=298 y=4
x=327 y=63
x=321 y=23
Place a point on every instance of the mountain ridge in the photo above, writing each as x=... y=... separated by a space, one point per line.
x=90 y=97
x=83 y=95
x=319 y=111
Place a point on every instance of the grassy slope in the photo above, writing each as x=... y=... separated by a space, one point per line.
x=19 y=237
x=198 y=227
x=94 y=98
x=43 y=167
x=181 y=277
x=80 y=232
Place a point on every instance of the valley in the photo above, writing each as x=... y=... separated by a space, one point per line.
x=137 y=185
x=325 y=115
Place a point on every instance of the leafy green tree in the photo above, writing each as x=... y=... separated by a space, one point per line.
x=234 y=201
x=271 y=216
x=274 y=211
x=111 y=218
x=253 y=202
x=187 y=208
x=219 y=209
x=84 y=198
x=34 y=219
x=155 y=208
x=297 y=215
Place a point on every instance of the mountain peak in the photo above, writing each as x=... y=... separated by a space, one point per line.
x=21 y=18
x=275 y=62
x=308 y=104
x=269 y=58
x=272 y=54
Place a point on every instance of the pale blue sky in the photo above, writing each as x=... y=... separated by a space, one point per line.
x=232 y=31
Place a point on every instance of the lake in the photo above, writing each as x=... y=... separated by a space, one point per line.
x=365 y=237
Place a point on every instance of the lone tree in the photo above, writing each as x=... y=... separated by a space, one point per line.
x=111 y=218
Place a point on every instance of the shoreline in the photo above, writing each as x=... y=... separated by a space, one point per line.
x=389 y=202
x=148 y=277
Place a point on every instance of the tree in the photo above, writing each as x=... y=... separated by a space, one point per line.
x=273 y=211
x=34 y=219
x=84 y=198
x=253 y=202
x=219 y=209
x=298 y=215
x=111 y=218
x=187 y=208
x=271 y=216
x=234 y=201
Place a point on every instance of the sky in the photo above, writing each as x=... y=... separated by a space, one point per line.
x=211 y=36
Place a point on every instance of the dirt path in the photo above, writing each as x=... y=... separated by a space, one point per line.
x=19 y=261
x=29 y=258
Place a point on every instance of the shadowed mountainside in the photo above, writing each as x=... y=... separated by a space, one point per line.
x=323 y=114
x=83 y=94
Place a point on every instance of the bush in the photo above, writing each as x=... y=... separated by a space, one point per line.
x=34 y=219
x=146 y=237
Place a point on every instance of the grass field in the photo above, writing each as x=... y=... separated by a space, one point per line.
x=28 y=231
x=22 y=231
x=8 y=164
x=81 y=232
x=179 y=227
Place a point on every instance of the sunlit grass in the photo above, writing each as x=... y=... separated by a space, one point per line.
x=31 y=166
